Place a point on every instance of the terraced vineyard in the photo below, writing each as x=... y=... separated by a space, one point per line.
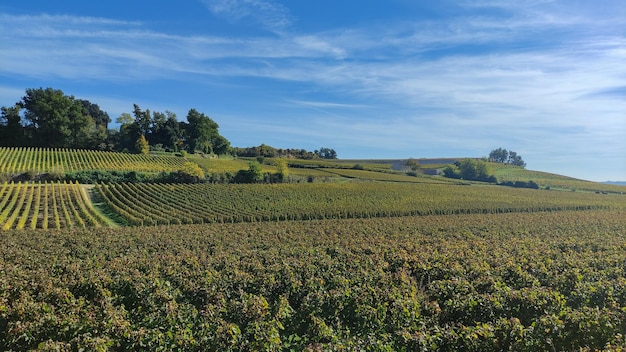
x=45 y=160
x=153 y=204
x=46 y=206
x=549 y=281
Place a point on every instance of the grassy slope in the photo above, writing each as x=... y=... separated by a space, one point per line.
x=549 y=180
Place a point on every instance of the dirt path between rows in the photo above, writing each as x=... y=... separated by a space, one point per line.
x=87 y=190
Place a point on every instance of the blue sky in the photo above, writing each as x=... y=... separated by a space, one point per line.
x=371 y=79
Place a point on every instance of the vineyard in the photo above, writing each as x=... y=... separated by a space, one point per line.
x=47 y=160
x=547 y=281
x=46 y=206
x=162 y=204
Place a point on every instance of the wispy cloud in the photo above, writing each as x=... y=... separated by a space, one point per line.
x=547 y=81
x=267 y=13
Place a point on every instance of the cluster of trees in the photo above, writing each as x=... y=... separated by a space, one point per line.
x=471 y=170
x=163 y=131
x=50 y=118
x=504 y=156
x=266 y=151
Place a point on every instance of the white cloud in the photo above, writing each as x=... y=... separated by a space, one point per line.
x=535 y=81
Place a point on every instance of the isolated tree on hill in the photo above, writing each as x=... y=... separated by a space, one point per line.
x=515 y=159
x=499 y=155
x=327 y=153
x=413 y=164
x=503 y=156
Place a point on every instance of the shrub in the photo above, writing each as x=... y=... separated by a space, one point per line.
x=191 y=173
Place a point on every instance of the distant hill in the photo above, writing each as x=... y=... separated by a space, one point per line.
x=617 y=183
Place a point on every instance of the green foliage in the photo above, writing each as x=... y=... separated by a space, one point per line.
x=413 y=164
x=254 y=174
x=141 y=145
x=503 y=156
x=53 y=119
x=471 y=170
x=271 y=152
x=282 y=167
x=512 y=282
x=327 y=153
x=202 y=132
x=191 y=172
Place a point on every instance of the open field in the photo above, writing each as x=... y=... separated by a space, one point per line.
x=481 y=282
x=552 y=181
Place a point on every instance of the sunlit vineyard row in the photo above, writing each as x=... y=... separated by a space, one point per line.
x=156 y=204
x=549 y=281
x=48 y=160
x=45 y=206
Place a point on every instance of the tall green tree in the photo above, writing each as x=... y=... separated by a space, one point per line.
x=327 y=153
x=141 y=145
x=171 y=132
x=504 y=156
x=201 y=132
x=143 y=120
x=49 y=113
x=128 y=134
x=99 y=117
x=499 y=155
x=12 y=132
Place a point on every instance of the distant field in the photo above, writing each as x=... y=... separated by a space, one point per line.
x=548 y=180
x=45 y=160
x=388 y=176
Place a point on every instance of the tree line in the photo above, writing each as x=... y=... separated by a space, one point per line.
x=266 y=151
x=50 y=118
